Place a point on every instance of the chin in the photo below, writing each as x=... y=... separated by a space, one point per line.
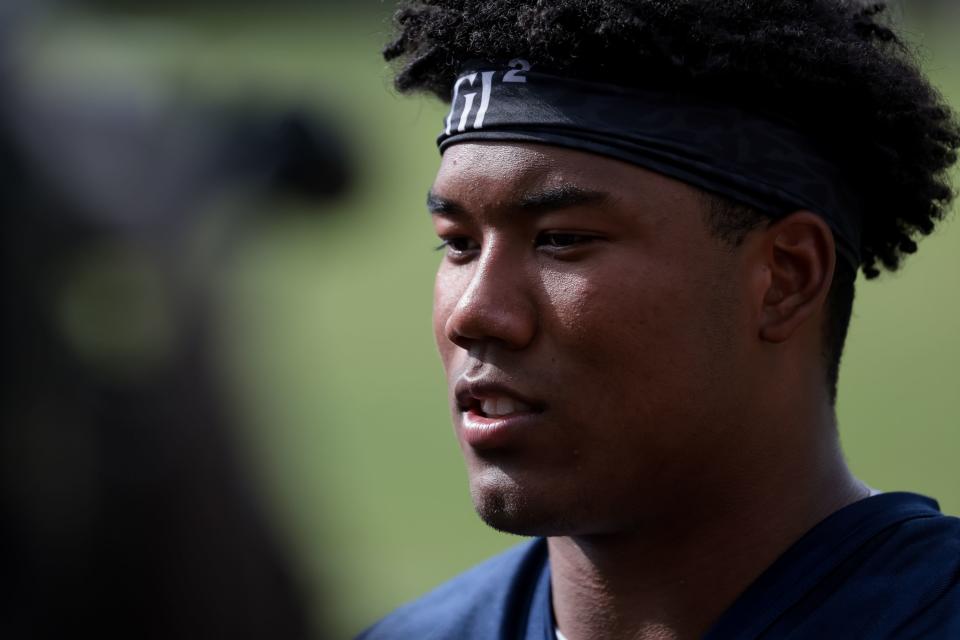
x=513 y=506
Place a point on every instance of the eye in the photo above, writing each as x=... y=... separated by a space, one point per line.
x=458 y=246
x=562 y=239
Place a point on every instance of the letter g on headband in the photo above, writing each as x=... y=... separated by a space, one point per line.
x=752 y=158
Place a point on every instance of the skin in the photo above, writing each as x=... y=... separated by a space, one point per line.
x=681 y=434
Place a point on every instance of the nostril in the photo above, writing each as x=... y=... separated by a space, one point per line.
x=467 y=343
x=464 y=328
x=457 y=338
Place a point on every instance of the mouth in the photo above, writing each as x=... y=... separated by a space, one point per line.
x=492 y=415
x=496 y=407
x=490 y=399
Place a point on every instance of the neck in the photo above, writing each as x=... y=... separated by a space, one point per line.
x=673 y=576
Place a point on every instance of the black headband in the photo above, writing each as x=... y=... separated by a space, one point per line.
x=750 y=158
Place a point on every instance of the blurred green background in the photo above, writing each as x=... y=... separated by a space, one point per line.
x=325 y=336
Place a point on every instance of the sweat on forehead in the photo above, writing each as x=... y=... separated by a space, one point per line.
x=540 y=179
x=536 y=173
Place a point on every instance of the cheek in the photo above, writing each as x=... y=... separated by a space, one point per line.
x=446 y=294
x=608 y=313
x=633 y=330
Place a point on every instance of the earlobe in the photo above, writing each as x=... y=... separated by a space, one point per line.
x=800 y=255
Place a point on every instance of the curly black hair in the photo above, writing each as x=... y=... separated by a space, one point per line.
x=836 y=68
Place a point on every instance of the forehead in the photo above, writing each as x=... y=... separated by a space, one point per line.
x=486 y=165
x=487 y=173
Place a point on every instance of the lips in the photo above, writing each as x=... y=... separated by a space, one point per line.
x=492 y=415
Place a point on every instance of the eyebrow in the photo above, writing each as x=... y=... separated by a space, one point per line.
x=548 y=199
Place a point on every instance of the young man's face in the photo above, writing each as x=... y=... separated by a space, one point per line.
x=592 y=332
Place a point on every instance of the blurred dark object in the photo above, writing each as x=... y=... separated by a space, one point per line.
x=292 y=154
x=125 y=510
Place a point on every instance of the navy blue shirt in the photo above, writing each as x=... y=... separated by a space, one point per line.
x=884 y=567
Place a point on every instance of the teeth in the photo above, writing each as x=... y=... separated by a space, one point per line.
x=496 y=407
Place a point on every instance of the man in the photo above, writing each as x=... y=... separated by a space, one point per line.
x=653 y=213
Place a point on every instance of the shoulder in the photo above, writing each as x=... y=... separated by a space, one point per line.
x=902 y=581
x=884 y=567
x=474 y=604
x=918 y=564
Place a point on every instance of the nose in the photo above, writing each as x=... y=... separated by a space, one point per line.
x=496 y=304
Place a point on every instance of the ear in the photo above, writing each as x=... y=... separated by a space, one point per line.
x=800 y=254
